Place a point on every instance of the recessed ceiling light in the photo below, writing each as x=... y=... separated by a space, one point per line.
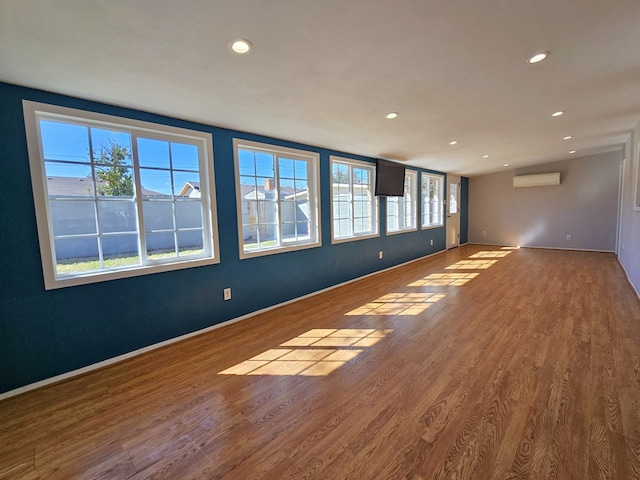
x=506 y=165
x=558 y=113
x=453 y=142
x=485 y=156
x=241 y=46
x=572 y=151
x=538 y=57
x=392 y=115
x=568 y=137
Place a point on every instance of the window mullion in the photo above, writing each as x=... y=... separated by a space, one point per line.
x=407 y=204
x=96 y=217
x=257 y=200
x=295 y=200
x=352 y=209
x=276 y=181
x=142 y=238
x=203 y=173
x=312 y=199
x=176 y=247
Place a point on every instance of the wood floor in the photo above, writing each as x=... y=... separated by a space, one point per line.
x=480 y=362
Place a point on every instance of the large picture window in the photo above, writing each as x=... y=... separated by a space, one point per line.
x=402 y=213
x=277 y=198
x=117 y=197
x=354 y=208
x=432 y=193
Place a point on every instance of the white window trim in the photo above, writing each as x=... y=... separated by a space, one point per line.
x=376 y=213
x=31 y=111
x=313 y=179
x=441 y=200
x=414 y=174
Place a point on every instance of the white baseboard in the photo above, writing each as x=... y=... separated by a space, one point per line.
x=635 y=289
x=569 y=249
x=140 y=351
x=545 y=248
x=490 y=244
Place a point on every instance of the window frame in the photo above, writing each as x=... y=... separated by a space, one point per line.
x=441 y=179
x=313 y=183
x=413 y=183
x=453 y=195
x=35 y=111
x=375 y=209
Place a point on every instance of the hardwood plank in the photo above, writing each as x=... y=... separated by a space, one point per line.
x=16 y=462
x=479 y=363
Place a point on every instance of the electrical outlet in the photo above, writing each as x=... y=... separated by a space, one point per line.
x=380 y=255
x=568 y=237
x=484 y=233
x=227 y=293
x=431 y=242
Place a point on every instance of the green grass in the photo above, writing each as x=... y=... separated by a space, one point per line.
x=78 y=265
x=268 y=243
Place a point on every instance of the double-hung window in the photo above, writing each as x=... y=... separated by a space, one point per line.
x=117 y=197
x=432 y=192
x=402 y=212
x=277 y=198
x=354 y=209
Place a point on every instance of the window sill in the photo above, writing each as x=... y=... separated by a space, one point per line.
x=51 y=282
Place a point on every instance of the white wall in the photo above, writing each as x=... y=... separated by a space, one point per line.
x=629 y=249
x=584 y=205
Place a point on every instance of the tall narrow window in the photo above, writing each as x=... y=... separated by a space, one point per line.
x=402 y=211
x=453 y=198
x=432 y=192
x=277 y=198
x=354 y=209
x=117 y=197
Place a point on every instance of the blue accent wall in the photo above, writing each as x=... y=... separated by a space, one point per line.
x=464 y=210
x=47 y=333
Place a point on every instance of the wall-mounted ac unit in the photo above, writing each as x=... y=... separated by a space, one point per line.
x=538 y=180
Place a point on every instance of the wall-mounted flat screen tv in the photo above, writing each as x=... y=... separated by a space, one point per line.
x=389 y=179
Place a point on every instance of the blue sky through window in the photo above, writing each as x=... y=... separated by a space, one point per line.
x=66 y=151
x=291 y=173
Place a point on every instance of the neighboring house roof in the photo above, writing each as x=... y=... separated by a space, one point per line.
x=79 y=186
x=190 y=189
x=249 y=192
x=82 y=186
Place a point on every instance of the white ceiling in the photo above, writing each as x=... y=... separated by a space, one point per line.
x=325 y=72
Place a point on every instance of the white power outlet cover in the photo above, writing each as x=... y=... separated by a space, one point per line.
x=227 y=293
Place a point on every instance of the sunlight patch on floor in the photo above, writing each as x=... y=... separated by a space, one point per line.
x=399 y=304
x=444 y=280
x=321 y=351
x=480 y=264
x=489 y=254
x=317 y=352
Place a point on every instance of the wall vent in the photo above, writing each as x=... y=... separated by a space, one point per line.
x=538 y=180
